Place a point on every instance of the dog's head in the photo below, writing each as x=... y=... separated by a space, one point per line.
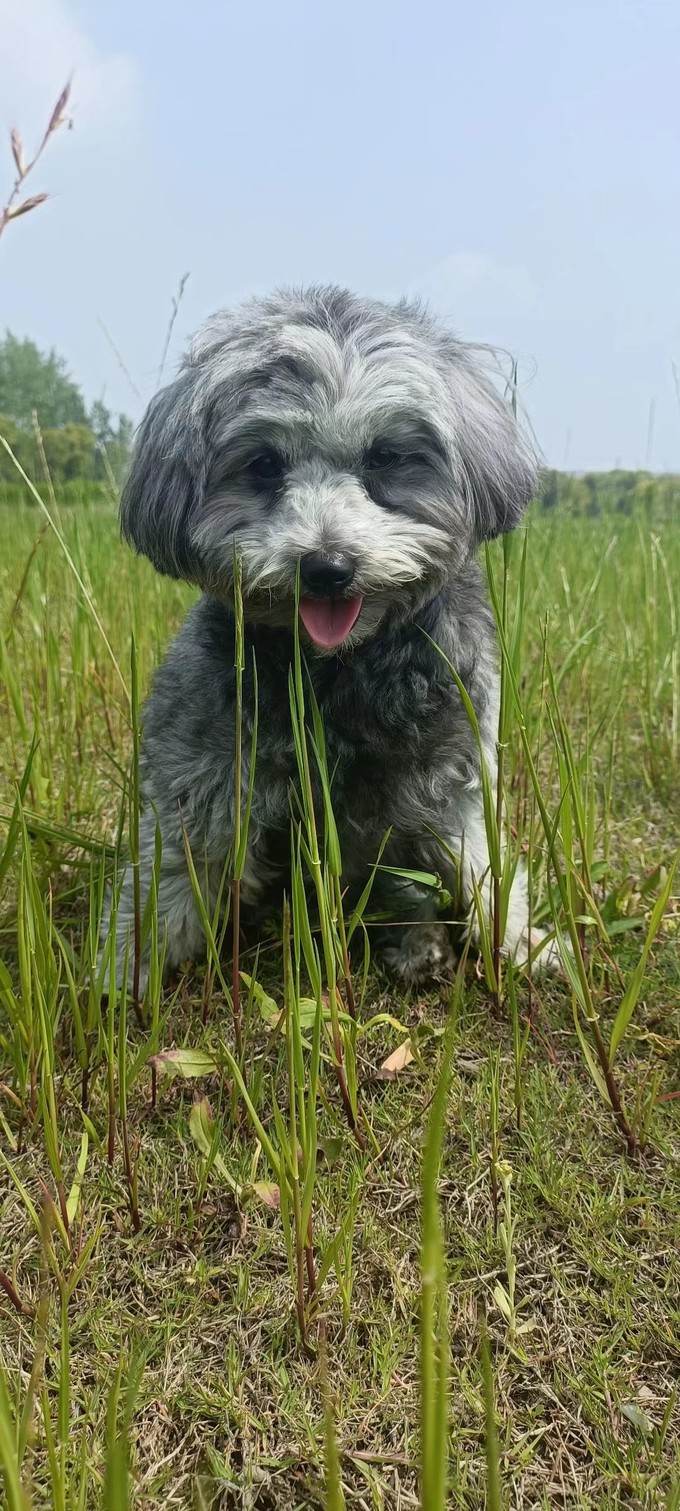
x=357 y=440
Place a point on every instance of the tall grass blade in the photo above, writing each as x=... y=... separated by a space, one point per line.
x=434 y=1319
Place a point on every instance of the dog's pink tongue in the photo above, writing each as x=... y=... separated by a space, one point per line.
x=328 y=621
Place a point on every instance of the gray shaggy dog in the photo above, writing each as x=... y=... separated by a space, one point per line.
x=361 y=443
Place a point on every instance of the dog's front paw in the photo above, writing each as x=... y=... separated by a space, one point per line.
x=544 y=954
x=424 y=954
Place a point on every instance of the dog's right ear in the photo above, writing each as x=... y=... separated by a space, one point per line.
x=166 y=481
x=497 y=464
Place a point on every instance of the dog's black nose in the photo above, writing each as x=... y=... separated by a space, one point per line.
x=322 y=573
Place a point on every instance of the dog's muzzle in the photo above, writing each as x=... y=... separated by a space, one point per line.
x=326 y=573
x=326 y=611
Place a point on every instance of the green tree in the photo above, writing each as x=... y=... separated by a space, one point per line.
x=101 y=423
x=20 y=443
x=34 y=380
x=119 y=449
x=550 y=488
x=113 y=442
x=70 y=453
x=78 y=446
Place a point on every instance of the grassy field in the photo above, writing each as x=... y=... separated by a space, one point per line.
x=213 y=1292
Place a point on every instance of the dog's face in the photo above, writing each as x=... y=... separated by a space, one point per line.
x=356 y=442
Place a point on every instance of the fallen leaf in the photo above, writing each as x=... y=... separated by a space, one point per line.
x=202 y=1130
x=74 y=1194
x=202 y=1124
x=188 y=1063
x=637 y=1417
x=270 y=1012
x=330 y=1150
x=266 y=1192
x=502 y=1300
x=307 y=1012
x=399 y=1058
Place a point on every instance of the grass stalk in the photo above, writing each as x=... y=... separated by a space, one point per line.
x=239 y=665
x=434 y=1319
x=312 y=851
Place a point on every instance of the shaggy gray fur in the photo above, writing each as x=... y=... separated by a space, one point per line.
x=318 y=421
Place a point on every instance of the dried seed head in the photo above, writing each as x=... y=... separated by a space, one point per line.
x=58 y=115
x=18 y=151
x=26 y=205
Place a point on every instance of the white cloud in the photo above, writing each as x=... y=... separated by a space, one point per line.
x=42 y=46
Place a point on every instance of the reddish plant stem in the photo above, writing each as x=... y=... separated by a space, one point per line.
x=130 y=1180
x=309 y=1261
x=613 y=1090
x=13 y=1295
x=61 y=1193
x=346 y=966
x=236 y=964
x=342 y=1084
x=111 y=1143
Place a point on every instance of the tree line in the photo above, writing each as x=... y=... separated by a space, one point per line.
x=91 y=446
x=79 y=444
x=614 y=492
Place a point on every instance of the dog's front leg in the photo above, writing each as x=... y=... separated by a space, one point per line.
x=419 y=947
x=471 y=850
x=179 y=931
x=414 y=945
x=423 y=952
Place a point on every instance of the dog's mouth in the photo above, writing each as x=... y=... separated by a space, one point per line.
x=328 y=621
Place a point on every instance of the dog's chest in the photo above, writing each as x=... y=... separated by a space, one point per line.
x=397 y=745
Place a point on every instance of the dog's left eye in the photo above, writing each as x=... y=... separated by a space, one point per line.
x=267 y=467
x=380 y=458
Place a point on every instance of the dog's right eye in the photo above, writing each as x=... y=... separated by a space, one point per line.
x=381 y=459
x=266 y=467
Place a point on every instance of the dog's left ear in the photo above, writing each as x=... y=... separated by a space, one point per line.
x=166 y=480
x=498 y=465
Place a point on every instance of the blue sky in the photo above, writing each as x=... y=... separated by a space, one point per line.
x=517 y=163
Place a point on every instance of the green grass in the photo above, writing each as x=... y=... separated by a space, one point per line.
x=158 y=1308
